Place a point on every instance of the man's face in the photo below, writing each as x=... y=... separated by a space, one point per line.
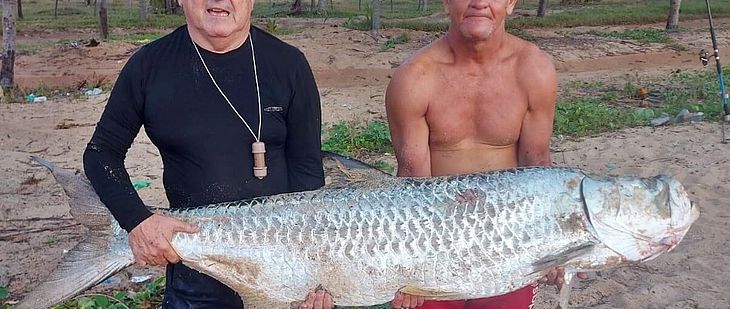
x=477 y=19
x=217 y=18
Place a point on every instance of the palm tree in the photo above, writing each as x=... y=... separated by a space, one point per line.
x=673 y=18
x=7 y=79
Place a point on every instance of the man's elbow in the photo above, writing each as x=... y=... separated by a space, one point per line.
x=535 y=159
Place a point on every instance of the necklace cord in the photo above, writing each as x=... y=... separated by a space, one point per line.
x=258 y=93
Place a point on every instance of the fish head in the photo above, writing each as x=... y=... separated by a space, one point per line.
x=638 y=218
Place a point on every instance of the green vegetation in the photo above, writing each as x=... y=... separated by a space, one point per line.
x=3 y=295
x=614 y=12
x=358 y=139
x=39 y=14
x=391 y=43
x=599 y=107
x=137 y=38
x=50 y=240
x=639 y=35
x=148 y=297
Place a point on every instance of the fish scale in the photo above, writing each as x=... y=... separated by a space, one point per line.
x=457 y=237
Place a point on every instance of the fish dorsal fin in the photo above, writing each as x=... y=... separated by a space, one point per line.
x=431 y=293
x=341 y=171
x=563 y=256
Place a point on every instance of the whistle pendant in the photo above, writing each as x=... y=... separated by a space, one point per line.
x=259 y=159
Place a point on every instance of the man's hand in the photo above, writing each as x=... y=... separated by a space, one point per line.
x=150 y=240
x=403 y=300
x=556 y=277
x=318 y=300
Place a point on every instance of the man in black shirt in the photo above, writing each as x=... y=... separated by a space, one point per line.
x=205 y=93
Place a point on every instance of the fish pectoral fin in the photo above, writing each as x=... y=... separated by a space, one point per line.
x=430 y=293
x=561 y=257
x=564 y=296
x=341 y=171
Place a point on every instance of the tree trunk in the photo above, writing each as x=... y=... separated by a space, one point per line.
x=7 y=79
x=375 y=29
x=296 y=7
x=20 y=10
x=423 y=5
x=103 y=20
x=55 y=8
x=312 y=5
x=542 y=8
x=673 y=18
x=321 y=7
x=143 y=9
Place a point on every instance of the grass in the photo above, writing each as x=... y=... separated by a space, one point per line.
x=358 y=139
x=639 y=35
x=615 y=12
x=599 y=109
x=150 y=296
x=19 y=95
x=137 y=38
x=50 y=240
x=39 y=14
x=581 y=117
x=393 y=42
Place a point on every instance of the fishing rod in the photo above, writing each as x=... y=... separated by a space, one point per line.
x=704 y=58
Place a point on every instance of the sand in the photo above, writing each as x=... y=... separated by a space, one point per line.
x=352 y=71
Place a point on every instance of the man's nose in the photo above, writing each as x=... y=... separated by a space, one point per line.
x=479 y=4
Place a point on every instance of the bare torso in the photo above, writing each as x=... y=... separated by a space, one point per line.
x=474 y=120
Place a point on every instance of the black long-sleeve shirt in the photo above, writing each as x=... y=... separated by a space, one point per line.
x=205 y=147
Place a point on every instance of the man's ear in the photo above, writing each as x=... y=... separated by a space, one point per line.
x=511 y=6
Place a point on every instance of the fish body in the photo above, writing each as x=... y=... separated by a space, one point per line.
x=457 y=237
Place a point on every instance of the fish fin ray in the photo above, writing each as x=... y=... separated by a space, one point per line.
x=90 y=261
x=82 y=267
x=564 y=296
x=431 y=293
x=341 y=171
x=561 y=257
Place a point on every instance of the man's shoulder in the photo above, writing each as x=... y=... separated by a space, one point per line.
x=422 y=64
x=530 y=58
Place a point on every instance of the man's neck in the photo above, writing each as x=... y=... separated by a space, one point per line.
x=218 y=45
x=476 y=51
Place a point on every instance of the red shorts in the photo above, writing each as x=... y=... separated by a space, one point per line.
x=520 y=299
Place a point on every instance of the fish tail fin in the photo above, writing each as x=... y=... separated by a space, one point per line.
x=91 y=260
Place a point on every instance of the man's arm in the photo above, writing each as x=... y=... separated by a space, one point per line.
x=304 y=129
x=149 y=234
x=406 y=107
x=540 y=80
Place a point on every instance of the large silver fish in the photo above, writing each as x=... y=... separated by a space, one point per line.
x=444 y=238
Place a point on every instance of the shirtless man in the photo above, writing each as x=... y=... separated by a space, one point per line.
x=477 y=99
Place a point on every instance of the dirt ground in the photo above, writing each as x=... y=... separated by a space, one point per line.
x=352 y=72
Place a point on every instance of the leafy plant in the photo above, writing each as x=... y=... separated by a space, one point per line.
x=391 y=43
x=357 y=139
x=148 y=297
x=272 y=25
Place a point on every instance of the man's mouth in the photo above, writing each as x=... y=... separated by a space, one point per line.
x=218 y=12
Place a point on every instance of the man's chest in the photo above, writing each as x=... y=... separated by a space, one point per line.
x=481 y=114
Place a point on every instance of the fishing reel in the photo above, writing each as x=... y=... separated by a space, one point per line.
x=704 y=57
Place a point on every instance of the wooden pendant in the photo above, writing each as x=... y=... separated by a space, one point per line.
x=259 y=159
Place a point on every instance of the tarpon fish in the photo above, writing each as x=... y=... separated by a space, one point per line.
x=445 y=238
